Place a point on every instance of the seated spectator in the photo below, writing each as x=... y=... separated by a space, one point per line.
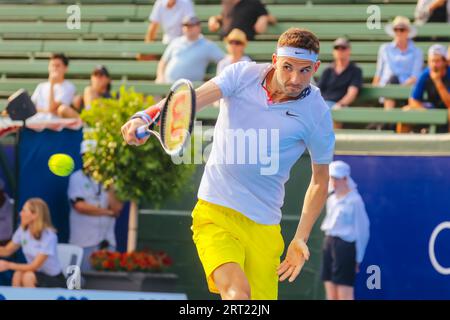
x=49 y=96
x=341 y=81
x=400 y=61
x=6 y=215
x=432 y=11
x=38 y=240
x=100 y=87
x=435 y=82
x=188 y=56
x=236 y=42
x=93 y=212
x=250 y=16
x=169 y=14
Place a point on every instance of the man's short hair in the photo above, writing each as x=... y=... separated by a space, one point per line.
x=60 y=56
x=299 y=38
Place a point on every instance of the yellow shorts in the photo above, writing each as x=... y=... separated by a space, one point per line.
x=224 y=235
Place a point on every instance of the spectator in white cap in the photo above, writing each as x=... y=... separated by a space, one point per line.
x=435 y=82
x=93 y=212
x=346 y=227
x=6 y=215
x=399 y=61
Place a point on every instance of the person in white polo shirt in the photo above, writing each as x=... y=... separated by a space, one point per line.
x=38 y=240
x=169 y=14
x=269 y=115
x=93 y=212
x=53 y=96
x=347 y=229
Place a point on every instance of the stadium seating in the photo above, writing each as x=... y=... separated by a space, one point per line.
x=112 y=33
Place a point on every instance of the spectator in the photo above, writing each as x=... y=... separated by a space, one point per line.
x=435 y=82
x=6 y=215
x=342 y=80
x=236 y=42
x=38 y=240
x=170 y=14
x=188 y=56
x=346 y=228
x=100 y=87
x=250 y=16
x=49 y=96
x=93 y=212
x=400 y=61
x=432 y=11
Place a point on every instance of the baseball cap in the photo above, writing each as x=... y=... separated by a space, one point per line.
x=101 y=69
x=341 y=42
x=437 y=49
x=236 y=35
x=339 y=169
x=190 y=21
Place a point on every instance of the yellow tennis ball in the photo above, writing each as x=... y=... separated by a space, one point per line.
x=61 y=164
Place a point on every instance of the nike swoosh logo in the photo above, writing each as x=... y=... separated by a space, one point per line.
x=296 y=52
x=291 y=114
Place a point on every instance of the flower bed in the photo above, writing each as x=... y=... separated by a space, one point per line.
x=143 y=261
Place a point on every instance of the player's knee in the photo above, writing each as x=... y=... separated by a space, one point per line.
x=237 y=291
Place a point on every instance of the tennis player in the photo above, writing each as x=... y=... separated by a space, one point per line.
x=236 y=222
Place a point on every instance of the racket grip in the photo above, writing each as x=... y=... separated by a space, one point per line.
x=142 y=132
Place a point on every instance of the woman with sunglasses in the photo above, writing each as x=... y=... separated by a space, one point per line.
x=400 y=61
x=236 y=42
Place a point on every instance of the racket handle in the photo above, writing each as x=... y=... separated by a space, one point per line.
x=142 y=132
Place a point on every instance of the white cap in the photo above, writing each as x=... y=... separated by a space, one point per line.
x=88 y=146
x=437 y=49
x=339 y=169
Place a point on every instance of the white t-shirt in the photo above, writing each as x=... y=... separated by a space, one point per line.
x=63 y=92
x=171 y=19
x=87 y=230
x=32 y=247
x=347 y=219
x=252 y=180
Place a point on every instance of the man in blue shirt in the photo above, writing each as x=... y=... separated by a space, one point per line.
x=435 y=81
x=188 y=56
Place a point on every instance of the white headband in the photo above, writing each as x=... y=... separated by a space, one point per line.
x=297 y=53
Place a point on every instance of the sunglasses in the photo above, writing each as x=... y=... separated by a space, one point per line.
x=235 y=42
x=400 y=29
x=340 y=48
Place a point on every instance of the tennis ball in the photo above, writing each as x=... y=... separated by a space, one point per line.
x=61 y=164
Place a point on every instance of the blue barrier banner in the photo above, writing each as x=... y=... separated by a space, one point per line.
x=9 y=293
x=408 y=203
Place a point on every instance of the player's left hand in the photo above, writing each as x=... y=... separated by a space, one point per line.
x=292 y=264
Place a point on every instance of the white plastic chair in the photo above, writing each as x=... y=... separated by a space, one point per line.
x=69 y=255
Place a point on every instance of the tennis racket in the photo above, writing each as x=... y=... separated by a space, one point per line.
x=176 y=119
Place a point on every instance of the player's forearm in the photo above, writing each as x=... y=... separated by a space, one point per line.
x=207 y=94
x=315 y=199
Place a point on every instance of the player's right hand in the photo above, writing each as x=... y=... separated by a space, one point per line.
x=129 y=132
